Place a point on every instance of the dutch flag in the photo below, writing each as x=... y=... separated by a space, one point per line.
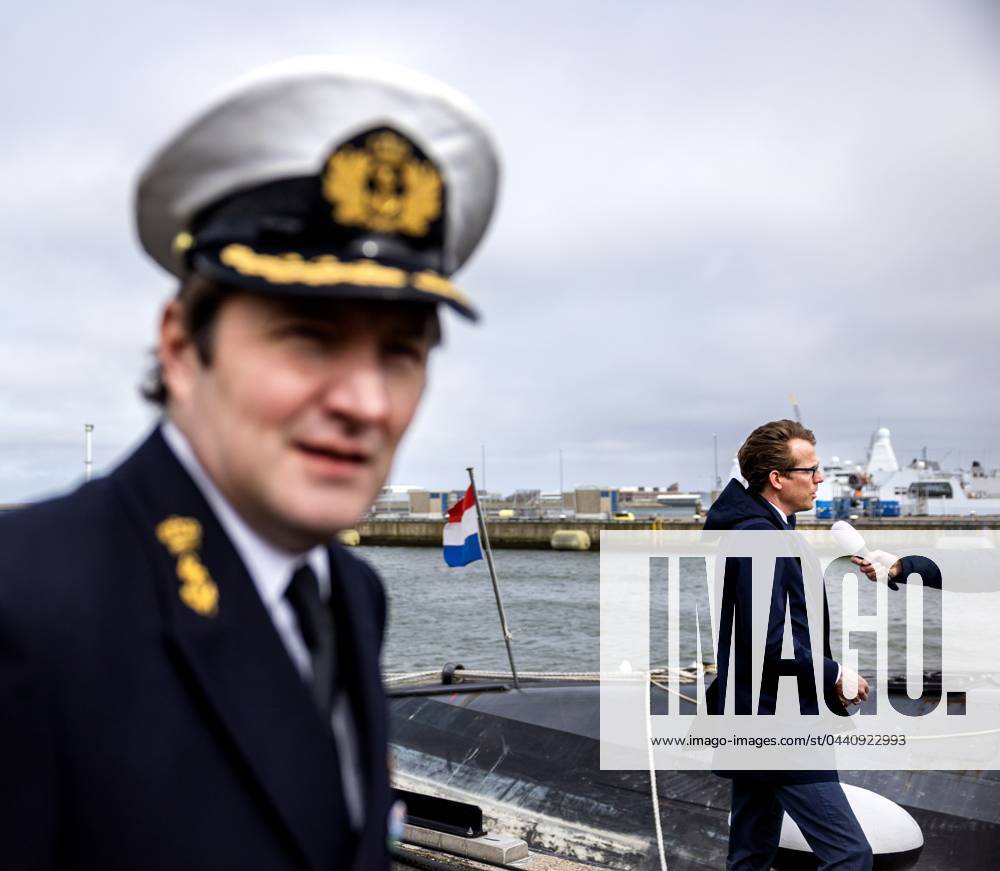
x=461 y=532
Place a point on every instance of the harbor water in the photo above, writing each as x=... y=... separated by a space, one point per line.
x=439 y=614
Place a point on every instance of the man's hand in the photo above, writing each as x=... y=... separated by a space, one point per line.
x=879 y=565
x=855 y=680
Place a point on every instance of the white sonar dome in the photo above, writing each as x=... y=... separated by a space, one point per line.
x=881 y=456
x=890 y=830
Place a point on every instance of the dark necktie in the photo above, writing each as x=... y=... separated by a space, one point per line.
x=316 y=625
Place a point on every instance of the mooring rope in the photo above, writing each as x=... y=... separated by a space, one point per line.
x=654 y=795
x=685 y=675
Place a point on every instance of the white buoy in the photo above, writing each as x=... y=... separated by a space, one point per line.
x=349 y=537
x=569 y=539
x=894 y=836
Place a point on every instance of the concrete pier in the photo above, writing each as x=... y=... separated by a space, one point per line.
x=512 y=533
x=537 y=534
x=520 y=534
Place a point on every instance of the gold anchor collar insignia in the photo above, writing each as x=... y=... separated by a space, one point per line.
x=179 y=534
x=182 y=537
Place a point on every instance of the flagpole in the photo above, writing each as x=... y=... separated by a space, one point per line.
x=493 y=573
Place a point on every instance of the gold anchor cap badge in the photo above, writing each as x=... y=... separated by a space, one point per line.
x=383 y=186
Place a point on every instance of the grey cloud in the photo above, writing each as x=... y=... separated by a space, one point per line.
x=701 y=213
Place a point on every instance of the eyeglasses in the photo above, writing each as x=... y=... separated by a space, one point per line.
x=812 y=470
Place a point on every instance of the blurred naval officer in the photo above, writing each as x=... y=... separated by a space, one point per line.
x=189 y=667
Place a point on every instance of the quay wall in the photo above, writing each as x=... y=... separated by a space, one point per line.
x=521 y=535
x=536 y=534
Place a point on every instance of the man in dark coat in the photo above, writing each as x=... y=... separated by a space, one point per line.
x=189 y=667
x=779 y=462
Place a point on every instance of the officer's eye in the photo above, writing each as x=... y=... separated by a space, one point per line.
x=307 y=333
x=411 y=350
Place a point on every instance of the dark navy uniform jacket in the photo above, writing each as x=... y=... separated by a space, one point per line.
x=143 y=729
x=738 y=508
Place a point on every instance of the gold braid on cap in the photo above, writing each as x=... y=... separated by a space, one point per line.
x=327 y=270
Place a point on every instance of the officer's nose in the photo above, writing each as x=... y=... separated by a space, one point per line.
x=356 y=389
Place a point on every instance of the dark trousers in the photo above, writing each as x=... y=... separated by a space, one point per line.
x=822 y=813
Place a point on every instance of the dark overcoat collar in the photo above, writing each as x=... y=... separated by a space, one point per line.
x=236 y=663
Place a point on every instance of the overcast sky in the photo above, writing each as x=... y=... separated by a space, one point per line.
x=702 y=212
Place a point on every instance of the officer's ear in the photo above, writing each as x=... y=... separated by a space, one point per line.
x=176 y=351
x=774 y=479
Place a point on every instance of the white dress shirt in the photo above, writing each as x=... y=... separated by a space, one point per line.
x=784 y=519
x=271 y=568
x=781 y=514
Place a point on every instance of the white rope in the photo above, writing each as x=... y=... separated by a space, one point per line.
x=652 y=782
x=393 y=678
x=956 y=735
x=686 y=675
x=664 y=686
